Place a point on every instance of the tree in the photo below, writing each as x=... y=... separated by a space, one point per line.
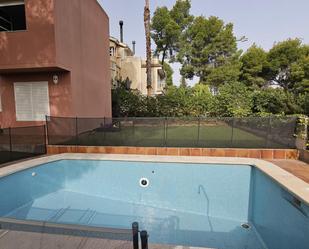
x=169 y=74
x=233 y=100
x=300 y=74
x=274 y=101
x=125 y=102
x=202 y=100
x=165 y=32
x=254 y=64
x=167 y=27
x=175 y=102
x=288 y=65
x=181 y=14
x=148 y=45
x=209 y=51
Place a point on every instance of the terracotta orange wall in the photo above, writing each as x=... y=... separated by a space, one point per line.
x=59 y=96
x=266 y=154
x=61 y=35
x=35 y=47
x=82 y=45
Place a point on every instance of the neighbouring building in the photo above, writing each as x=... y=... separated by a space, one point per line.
x=54 y=60
x=125 y=65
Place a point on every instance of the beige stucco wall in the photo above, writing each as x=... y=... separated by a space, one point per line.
x=125 y=65
x=154 y=76
x=131 y=67
x=134 y=68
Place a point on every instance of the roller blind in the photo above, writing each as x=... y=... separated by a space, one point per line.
x=31 y=101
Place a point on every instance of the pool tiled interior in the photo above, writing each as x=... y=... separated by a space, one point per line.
x=33 y=240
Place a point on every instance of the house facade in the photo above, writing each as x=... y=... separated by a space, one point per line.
x=124 y=64
x=54 y=60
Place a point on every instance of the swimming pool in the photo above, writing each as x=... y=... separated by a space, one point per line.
x=186 y=202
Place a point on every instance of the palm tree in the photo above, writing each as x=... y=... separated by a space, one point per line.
x=148 y=45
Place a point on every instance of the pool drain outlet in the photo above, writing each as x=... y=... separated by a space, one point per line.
x=144 y=182
x=245 y=226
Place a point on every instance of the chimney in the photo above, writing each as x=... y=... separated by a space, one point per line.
x=133 y=43
x=121 y=30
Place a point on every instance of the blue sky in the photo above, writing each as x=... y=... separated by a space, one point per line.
x=261 y=21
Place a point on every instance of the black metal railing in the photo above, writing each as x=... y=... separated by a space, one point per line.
x=22 y=142
x=67 y=235
x=251 y=132
x=143 y=235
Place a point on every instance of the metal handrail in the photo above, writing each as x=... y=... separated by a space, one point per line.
x=143 y=235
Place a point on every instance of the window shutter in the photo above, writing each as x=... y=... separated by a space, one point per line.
x=40 y=101
x=23 y=101
x=31 y=101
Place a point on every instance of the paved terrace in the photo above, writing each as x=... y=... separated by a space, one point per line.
x=295 y=167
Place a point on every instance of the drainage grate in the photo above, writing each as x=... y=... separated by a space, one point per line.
x=245 y=226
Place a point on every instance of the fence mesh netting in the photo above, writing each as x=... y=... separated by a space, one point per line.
x=22 y=142
x=253 y=132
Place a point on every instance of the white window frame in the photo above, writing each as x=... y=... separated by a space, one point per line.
x=33 y=114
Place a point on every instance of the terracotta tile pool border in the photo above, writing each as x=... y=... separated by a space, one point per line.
x=267 y=154
x=288 y=181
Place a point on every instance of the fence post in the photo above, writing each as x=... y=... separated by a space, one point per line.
x=45 y=138
x=165 y=131
x=46 y=130
x=104 y=129
x=232 y=137
x=268 y=132
x=10 y=137
x=76 y=131
x=198 y=131
x=144 y=239
x=135 y=235
x=133 y=126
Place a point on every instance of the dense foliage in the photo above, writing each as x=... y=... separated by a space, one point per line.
x=233 y=99
x=230 y=82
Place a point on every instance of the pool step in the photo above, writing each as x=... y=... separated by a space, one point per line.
x=29 y=240
x=158 y=246
x=159 y=227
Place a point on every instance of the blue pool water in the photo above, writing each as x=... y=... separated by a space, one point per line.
x=185 y=204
